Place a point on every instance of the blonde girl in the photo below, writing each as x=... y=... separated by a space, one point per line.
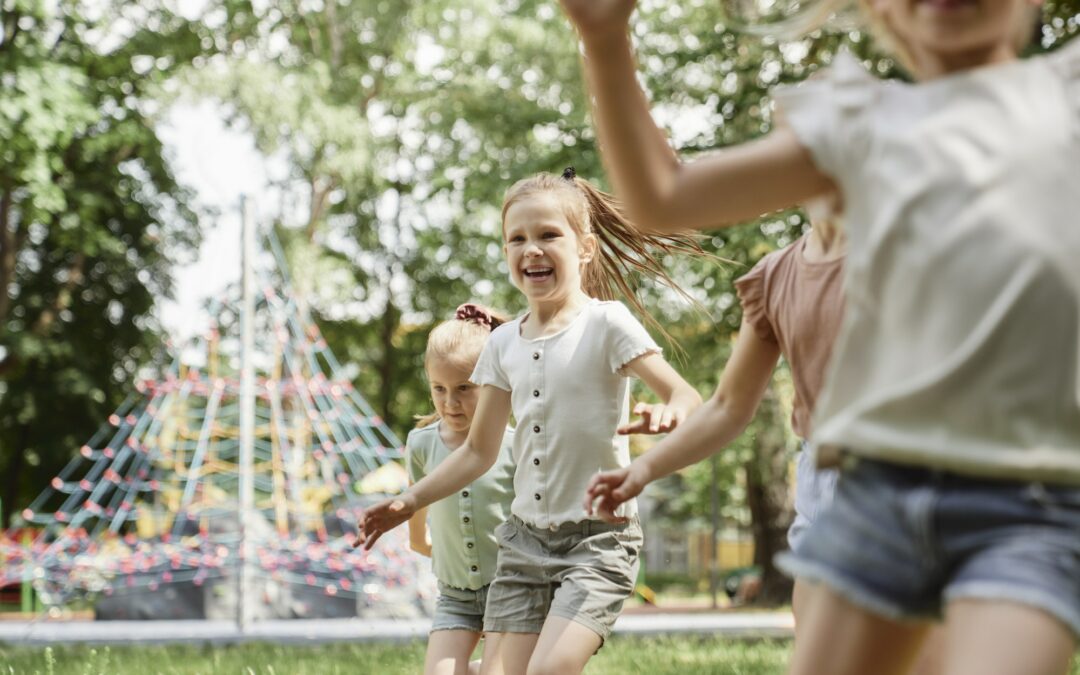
x=953 y=399
x=563 y=370
x=461 y=542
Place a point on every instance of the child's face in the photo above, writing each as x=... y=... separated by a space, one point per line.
x=452 y=393
x=544 y=252
x=966 y=32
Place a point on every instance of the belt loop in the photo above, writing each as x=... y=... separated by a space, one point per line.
x=587 y=529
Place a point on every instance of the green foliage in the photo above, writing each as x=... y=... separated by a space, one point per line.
x=86 y=200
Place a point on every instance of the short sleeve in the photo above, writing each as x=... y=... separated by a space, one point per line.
x=627 y=339
x=488 y=368
x=824 y=113
x=754 y=300
x=415 y=458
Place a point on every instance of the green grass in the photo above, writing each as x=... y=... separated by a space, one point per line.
x=656 y=656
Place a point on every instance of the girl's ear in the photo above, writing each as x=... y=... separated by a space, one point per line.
x=587 y=251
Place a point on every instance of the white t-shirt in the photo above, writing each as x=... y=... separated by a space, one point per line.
x=569 y=395
x=960 y=347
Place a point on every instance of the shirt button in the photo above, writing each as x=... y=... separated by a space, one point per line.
x=465 y=519
x=536 y=356
x=536 y=429
x=536 y=461
x=474 y=568
x=465 y=493
x=469 y=545
x=536 y=393
x=537 y=496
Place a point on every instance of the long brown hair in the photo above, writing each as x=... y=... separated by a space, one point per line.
x=624 y=252
x=460 y=341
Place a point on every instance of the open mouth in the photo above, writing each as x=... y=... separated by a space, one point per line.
x=539 y=273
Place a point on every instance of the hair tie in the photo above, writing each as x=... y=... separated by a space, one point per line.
x=476 y=314
x=569 y=173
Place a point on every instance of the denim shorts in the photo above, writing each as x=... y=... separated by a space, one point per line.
x=578 y=571
x=814 y=489
x=903 y=541
x=459 y=609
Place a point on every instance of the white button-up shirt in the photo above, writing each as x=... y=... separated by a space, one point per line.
x=569 y=394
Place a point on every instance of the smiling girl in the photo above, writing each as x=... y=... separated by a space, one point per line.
x=563 y=370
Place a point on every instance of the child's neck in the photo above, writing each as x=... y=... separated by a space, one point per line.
x=450 y=438
x=548 y=318
x=822 y=248
x=929 y=66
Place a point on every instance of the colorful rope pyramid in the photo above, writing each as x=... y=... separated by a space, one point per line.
x=151 y=500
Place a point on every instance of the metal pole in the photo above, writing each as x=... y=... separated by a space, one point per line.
x=247 y=418
x=714 y=502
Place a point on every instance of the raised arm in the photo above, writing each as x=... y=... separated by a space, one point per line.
x=659 y=192
x=715 y=424
x=463 y=466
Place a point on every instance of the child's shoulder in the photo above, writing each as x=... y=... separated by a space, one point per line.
x=773 y=260
x=423 y=436
x=506 y=331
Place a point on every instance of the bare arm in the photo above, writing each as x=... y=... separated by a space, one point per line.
x=463 y=466
x=715 y=424
x=418 y=533
x=659 y=192
x=680 y=399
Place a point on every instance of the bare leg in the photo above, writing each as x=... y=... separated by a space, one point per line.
x=507 y=653
x=1005 y=638
x=840 y=638
x=564 y=648
x=448 y=652
x=798 y=601
x=931 y=659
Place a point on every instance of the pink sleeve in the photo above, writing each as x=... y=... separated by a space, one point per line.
x=754 y=300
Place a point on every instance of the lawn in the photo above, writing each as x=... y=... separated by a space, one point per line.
x=657 y=656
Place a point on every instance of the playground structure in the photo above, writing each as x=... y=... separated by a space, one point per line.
x=229 y=488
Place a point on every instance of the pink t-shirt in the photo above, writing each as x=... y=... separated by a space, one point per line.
x=799 y=305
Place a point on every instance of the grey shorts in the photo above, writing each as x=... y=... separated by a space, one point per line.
x=903 y=541
x=459 y=609
x=578 y=571
x=814 y=489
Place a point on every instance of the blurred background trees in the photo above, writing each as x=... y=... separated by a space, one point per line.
x=401 y=123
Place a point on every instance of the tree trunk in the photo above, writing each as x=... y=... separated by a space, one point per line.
x=13 y=477
x=769 y=500
x=387 y=370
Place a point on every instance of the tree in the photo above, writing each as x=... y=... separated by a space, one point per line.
x=86 y=200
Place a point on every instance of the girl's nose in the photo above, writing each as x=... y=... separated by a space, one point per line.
x=533 y=251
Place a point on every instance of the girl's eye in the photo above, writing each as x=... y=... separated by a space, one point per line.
x=464 y=387
x=551 y=235
x=517 y=238
x=439 y=389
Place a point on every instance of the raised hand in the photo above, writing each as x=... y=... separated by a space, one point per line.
x=655 y=418
x=607 y=491
x=598 y=16
x=383 y=517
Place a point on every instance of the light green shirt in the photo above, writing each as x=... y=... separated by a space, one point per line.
x=463 y=546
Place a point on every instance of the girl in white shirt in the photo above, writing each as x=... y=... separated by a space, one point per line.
x=954 y=388
x=562 y=369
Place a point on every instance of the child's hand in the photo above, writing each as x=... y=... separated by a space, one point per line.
x=607 y=491
x=656 y=418
x=383 y=517
x=595 y=17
